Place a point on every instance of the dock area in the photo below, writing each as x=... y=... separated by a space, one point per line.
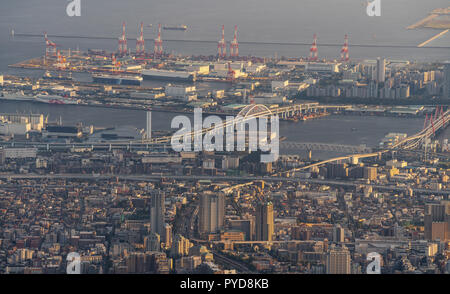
x=437 y=19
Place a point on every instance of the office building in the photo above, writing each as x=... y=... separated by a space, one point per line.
x=338 y=234
x=157 y=212
x=168 y=236
x=370 y=173
x=180 y=246
x=2 y=156
x=152 y=242
x=437 y=221
x=247 y=226
x=338 y=261
x=264 y=222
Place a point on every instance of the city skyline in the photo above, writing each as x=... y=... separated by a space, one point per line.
x=194 y=139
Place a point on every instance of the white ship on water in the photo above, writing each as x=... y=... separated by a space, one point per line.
x=16 y=96
x=55 y=99
x=42 y=98
x=159 y=74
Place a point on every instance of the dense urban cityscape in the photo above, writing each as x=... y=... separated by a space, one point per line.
x=123 y=200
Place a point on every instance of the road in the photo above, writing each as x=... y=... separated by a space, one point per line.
x=239 y=266
x=240 y=179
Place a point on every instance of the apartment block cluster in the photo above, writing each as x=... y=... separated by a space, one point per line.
x=113 y=226
x=319 y=230
x=385 y=80
x=132 y=224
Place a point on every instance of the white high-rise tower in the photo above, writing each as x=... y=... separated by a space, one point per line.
x=381 y=70
x=447 y=80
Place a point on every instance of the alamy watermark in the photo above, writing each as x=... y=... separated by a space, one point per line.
x=374 y=267
x=374 y=8
x=74 y=8
x=73 y=263
x=232 y=134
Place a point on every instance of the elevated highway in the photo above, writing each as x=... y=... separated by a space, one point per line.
x=408 y=143
x=242 y=180
x=132 y=146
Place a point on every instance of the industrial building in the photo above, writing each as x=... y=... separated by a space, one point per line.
x=62 y=132
x=322 y=67
x=7 y=128
x=187 y=93
x=36 y=121
x=17 y=153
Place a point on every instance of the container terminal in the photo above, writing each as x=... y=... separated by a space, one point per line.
x=150 y=78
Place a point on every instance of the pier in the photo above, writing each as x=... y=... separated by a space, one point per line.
x=433 y=38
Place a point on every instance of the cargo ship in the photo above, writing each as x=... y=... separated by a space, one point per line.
x=175 y=27
x=168 y=75
x=117 y=79
x=55 y=99
x=58 y=77
x=17 y=96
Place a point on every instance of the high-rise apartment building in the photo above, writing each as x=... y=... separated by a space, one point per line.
x=381 y=70
x=447 y=80
x=212 y=212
